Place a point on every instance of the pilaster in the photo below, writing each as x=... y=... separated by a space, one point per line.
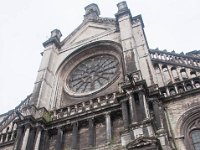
x=38 y=138
x=108 y=127
x=18 y=138
x=26 y=137
x=125 y=114
x=134 y=44
x=59 y=139
x=41 y=96
x=75 y=136
x=132 y=107
x=91 y=137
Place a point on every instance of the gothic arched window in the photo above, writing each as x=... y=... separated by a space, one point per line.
x=195 y=137
x=189 y=128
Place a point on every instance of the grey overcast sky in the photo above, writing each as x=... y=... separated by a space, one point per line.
x=26 y=24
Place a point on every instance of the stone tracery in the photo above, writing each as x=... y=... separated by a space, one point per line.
x=93 y=73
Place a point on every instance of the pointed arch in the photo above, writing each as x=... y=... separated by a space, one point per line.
x=188 y=126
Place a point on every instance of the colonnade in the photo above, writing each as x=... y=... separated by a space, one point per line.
x=129 y=115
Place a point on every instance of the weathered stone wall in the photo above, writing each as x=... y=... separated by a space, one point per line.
x=67 y=140
x=52 y=142
x=117 y=129
x=100 y=136
x=83 y=137
x=175 y=109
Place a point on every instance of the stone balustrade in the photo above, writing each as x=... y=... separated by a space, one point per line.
x=7 y=137
x=7 y=120
x=85 y=106
x=12 y=113
x=175 y=58
x=180 y=87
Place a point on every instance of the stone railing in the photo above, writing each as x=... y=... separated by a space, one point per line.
x=181 y=87
x=7 y=137
x=23 y=103
x=181 y=59
x=12 y=113
x=7 y=120
x=85 y=106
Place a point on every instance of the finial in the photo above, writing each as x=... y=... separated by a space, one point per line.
x=55 y=38
x=122 y=10
x=122 y=6
x=92 y=11
x=56 y=33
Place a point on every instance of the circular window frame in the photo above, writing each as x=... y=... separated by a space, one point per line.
x=74 y=61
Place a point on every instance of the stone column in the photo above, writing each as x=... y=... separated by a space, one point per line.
x=132 y=106
x=38 y=137
x=26 y=136
x=179 y=74
x=143 y=102
x=91 y=132
x=59 y=139
x=31 y=139
x=142 y=107
x=170 y=74
x=167 y=91
x=125 y=114
x=108 y=128
x=12 y=135
x=18 y=138
x=1 y=138
x=7 y=134
x=44 y=140
x=75 y=136
x=162 y=73
x=12 y=131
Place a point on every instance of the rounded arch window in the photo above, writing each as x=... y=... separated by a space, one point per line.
x=197 y=84
x=180 y=89
x=188 y=86
x=172 y=92
x=193 y=74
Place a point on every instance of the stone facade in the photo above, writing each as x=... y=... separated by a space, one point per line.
x=103 y=88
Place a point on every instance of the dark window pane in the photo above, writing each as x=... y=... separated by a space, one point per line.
x=196 y=139
x=196 y=136
x=197 y=146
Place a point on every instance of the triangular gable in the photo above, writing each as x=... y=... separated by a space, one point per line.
x=87 y=31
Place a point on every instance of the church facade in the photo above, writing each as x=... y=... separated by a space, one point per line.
x=103 y=88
